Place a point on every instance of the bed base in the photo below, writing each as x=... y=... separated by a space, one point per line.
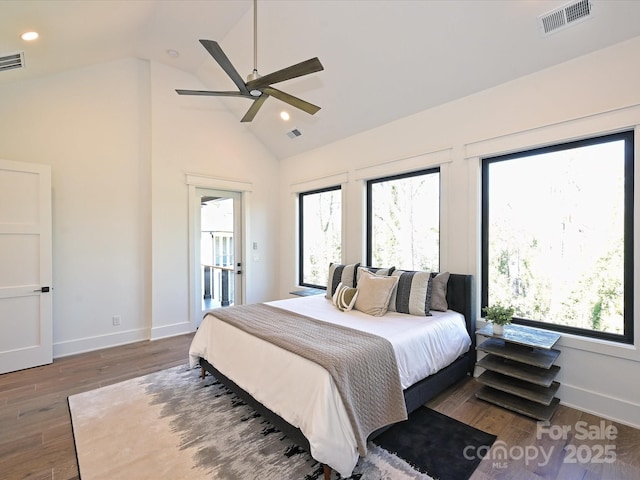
x=461 y=298
x=415 y=396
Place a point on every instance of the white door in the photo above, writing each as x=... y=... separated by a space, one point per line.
x=25 y=266
x=218 y=250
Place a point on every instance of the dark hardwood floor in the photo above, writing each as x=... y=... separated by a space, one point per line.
x=534 y=451
x=36 y=441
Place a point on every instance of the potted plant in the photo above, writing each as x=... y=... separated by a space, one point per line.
x=500 y=315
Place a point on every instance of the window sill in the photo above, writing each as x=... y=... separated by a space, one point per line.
x=307 y=292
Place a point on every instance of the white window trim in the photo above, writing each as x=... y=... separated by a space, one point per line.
x=612 y=121
x=421 y=161
x=341 y=178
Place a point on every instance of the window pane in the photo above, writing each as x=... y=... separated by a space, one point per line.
x=556 y=236
x=321 y=235
x=404 y=228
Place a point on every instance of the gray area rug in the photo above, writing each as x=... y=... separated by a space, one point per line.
x=172 y=425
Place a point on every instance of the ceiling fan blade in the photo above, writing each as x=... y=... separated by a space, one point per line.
x=207 y=93
x=291 y=100
x=298 y=70
x=218 y=55
x=254 y=108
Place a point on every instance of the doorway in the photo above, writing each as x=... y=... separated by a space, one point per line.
x=218 y=251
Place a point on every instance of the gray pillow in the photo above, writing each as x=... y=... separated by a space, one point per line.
x=439 y=291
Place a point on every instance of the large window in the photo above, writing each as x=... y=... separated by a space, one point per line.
x=403 y=221
x=320 y=235
x=557 y=236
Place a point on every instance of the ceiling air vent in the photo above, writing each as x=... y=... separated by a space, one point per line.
x=565 y=16
x=11 y=61
x=294 y=133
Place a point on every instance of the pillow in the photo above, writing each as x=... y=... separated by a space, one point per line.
x=439 y=283
x=345 y=297
x=340 y=273
x=374 y=293
x=413 y=295
x=384 y=272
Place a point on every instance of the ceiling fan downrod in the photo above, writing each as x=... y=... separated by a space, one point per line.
x=254 y=75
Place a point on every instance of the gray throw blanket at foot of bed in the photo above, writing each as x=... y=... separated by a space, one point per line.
x=363 y=365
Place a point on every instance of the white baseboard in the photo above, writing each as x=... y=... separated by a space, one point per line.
x=170 y=330
x=88 y=344
x=597 y=403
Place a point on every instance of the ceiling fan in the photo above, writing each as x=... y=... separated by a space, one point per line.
x=258 y=88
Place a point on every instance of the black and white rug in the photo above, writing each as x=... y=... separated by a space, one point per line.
x=172 y=425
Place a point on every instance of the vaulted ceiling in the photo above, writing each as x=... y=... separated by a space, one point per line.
x=383 y=60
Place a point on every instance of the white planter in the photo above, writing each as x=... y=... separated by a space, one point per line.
x=498 y=329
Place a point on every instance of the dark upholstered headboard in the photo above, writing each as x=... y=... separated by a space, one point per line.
x=461 y=298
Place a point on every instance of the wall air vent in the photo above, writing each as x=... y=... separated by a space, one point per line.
x=565 y=16
x=11 y=61
x=294 y=133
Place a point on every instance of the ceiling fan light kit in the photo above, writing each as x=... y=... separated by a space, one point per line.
x=258 y=88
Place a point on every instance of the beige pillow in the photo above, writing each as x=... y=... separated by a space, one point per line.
x=381 y=272
x=374 y=293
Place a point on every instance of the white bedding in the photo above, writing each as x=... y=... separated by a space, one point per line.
x=302 y=392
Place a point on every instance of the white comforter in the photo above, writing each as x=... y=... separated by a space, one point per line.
x=301 y=391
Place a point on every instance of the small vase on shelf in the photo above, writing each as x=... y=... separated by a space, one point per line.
x=499 y=315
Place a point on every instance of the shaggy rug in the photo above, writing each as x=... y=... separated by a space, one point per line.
x=172 y=425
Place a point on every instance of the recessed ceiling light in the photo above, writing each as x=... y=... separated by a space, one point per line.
x=29 y=36
x=173 y=53
x=284 y=115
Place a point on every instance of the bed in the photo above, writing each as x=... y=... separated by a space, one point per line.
x=300 y=397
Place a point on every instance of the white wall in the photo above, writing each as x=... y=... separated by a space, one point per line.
x=594 y=94
x=197 y=135
x=119 y=140
x=86 y=124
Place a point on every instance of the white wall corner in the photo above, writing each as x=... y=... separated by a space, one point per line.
x=173 y=330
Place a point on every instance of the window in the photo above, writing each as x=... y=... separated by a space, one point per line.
x=557 y=236
x=403 y=221
x=320 y=235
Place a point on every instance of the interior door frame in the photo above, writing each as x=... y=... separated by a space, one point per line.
x=195 y=182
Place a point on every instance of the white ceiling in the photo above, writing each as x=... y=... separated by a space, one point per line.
x=383 y=60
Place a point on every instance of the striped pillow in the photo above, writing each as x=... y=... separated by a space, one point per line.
x=413 y=293
x=340 y=273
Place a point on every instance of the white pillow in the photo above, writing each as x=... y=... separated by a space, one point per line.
x=345 y=297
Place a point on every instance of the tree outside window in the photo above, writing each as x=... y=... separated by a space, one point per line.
x=403 y=221
x=557 y=236
x=320 y=234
